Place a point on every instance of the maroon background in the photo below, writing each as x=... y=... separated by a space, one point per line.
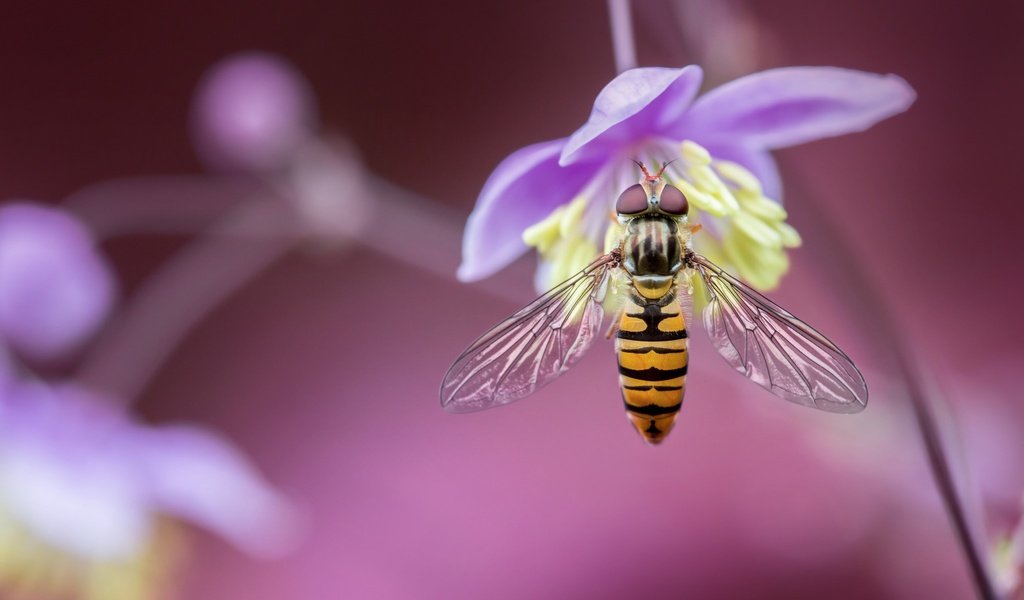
x=434 y=97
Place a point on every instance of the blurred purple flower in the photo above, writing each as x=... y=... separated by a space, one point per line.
x=721 y=146
x=251 y=112
x=1008 y=560
x=81 y=479
x=55 y=288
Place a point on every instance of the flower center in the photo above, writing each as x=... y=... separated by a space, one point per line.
x=562 y=243
x=33 y=568
x=746 y=232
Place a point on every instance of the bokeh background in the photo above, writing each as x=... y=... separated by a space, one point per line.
x=324 y=370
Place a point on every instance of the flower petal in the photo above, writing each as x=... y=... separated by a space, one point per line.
x=55 y=288
x=196 y=475
x=521 y=191
x=6 y=373
x=784 y=107
x=759 y=162
x=64 y=475
x=636 y=104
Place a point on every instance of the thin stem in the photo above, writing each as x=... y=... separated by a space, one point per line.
x=923 y=391
x=623 y=43
x=249 y=234
x=163 y=205
x=178 y=296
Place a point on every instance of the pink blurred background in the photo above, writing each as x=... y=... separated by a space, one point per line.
x=325 y=370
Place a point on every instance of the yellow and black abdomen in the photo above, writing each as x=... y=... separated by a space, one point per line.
x=652 y=353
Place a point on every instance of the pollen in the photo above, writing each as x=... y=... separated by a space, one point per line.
x=561 y=240
x=745 y=229
x=33 y=568
x=738 y=176
x=571 y=218
x=546 y=233
x=694 y=154
x=707 y=181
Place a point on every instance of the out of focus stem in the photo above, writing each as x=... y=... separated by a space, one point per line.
x=924 y=394
x=178 y=296
x=623 y=44
x=237 y=239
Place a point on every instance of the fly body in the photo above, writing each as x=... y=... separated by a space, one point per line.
x=651 y=267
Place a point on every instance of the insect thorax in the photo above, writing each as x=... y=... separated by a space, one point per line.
x=652 y=254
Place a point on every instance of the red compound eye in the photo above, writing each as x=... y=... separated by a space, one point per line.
x=632 y=201
x=673 y=201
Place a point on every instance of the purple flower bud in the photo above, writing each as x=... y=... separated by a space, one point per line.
x=55 y=288
x=250 y=113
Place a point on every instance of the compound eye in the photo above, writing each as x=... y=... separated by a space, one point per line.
x=632 y=201
x=673 y=201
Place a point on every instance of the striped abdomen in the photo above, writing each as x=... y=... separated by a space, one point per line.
x=651 y=348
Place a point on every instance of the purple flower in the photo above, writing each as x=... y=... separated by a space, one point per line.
x=251 y=112
x=55 y=288
x=556 y=195
x=81 y=482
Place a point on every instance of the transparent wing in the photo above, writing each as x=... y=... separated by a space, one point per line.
x=532 y=347
x=776 y=350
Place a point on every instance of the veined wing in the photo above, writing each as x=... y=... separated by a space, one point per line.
x=532 y=347
x=776 y=350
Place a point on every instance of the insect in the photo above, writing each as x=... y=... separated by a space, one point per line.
x=650 y=270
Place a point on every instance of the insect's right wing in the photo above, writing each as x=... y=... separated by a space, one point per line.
x=776 y=350
x=533 y=346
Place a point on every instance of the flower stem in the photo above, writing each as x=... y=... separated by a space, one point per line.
x=623 y=43
x=250 y=232
x=177 y=297
x=925 y=397
x=162 y=205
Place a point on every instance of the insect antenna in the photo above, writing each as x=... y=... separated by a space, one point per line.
x=647 y=173
x=664 y=166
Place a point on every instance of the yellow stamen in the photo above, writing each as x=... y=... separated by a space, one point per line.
x=753 y=228
x=572 y=216
x=761 y=267
x=759 y=231
x=700 y=200
x=789 y=235
x=612 y=235
x=695 y=154
x=738 y=175
x=32 y=568
x=1007 y=572
x=707 y=181
x=560 y=240
x=764 y=208
x=544 y=234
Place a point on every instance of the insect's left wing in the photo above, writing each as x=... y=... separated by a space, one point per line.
x=776 y=350
x=532 y=347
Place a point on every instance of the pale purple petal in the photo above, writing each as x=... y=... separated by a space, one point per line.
x=637 y=104
x=55 y=288
x=65 y=475
x=521 y=191
x=759 y=162
x=194 y=474
x=84 y=477
x=6 y=371
x=251 y=112
x=784 y=107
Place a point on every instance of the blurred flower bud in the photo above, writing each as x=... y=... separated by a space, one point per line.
x=55 y=288
x=250 y=112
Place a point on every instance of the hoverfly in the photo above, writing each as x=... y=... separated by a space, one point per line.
x=650 y=268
